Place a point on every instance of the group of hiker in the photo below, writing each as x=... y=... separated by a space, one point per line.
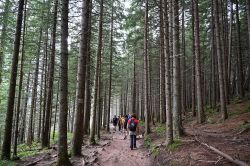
x=127 y=124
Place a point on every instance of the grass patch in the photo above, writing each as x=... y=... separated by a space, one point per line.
x=236 y=100
x=147 y=142
x=55 y=140
x=7 y=163
x=210 y=120
x=210 y=114
x=160 y=130
x=210 y=110
x=141 y=123
x=175 y=145
x=154 y=150
x=24 y=150
x=247 y=109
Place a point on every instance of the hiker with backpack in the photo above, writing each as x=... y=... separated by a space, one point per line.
x=126 y=126
x=133 y=126
x=115 y=122
x=126 y=123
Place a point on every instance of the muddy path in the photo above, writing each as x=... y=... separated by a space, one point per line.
x=119 y=153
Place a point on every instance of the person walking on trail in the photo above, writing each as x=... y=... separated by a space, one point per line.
x=126 y=126
x=129 y=116
x=115 y=122
x=122 y=123
x=126 y=123
x=119 y=123
x=133 y=124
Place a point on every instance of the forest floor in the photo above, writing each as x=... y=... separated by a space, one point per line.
x=111 y=150
x=231 y=137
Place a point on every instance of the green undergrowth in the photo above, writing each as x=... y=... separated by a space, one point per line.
x=24 y=150
x=160 y=130
x=235 y=100
x=141 y=123
x=147 y=141
x=247 y=109
x=245 y=126
x=175 y=145
x=55 y=140
x=154 y=150
x=210 y=114
x=244 y=110
x=210 y=110
x=7 y=163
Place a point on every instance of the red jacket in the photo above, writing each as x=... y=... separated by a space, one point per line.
x=135 y=120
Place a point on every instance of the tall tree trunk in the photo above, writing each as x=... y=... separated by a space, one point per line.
x=104 y=124
x=98 y=63
x=62 y=138
x=88 y=85
x=81 y=77
x=230 y=45
x=110 y=67
x=34 y=93
x=240 y=90
x=45 y=70
x=20 y=83
x=23 y=126
x=134 y=89
x=169 y=119
x=99 y=104
x=45 y=136
x=199 y=92
x=41 y=105
x=177 y=130
x=224 y=47
x=57 y=95
x=162 y=68
x=220 y=68
x=248 y=22
x=73 y=114
x=193 y=67
x=213 y=60
x=5 y=17
x=146 y=76
x=12 y=86
x=183 y=62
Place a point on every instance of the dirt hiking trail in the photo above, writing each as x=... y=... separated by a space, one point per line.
x=111 y=150
x=119 y=153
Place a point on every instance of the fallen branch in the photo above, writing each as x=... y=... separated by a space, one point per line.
x=226 y=156
x=242 y=131
x=206 y=161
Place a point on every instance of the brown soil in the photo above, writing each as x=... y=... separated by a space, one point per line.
x=230 y=137
x=112 y=149
x=119 y=153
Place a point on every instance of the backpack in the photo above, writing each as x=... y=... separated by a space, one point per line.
x=132 y=125
x=115 y=120
x=126 y=122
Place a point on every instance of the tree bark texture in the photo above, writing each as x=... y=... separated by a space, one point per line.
x=81 y=80
x=12 y=86
x=98 y=63
x=62 y=138
x=45 y=138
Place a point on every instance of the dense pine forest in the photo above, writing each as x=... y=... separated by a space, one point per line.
x=67 y=67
